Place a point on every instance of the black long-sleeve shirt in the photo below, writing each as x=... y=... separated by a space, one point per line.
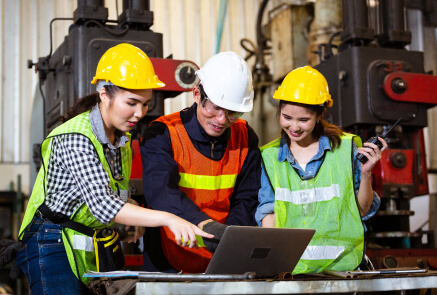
x=161 y=175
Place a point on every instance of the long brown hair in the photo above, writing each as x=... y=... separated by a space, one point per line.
x=86 y=103
x=322 y=127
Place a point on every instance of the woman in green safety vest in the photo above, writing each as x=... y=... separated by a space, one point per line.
x=84 y=176
x=312 y=179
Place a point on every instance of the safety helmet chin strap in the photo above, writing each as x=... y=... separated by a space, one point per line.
x=102 y=83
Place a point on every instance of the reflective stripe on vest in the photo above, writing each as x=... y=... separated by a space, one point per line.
x=84 y=243
x=322 y=252
x=326 y=203
x=308 y=196
x=83 y=255
x=208 y=183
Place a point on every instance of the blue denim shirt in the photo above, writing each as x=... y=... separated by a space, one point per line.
x=266 y=194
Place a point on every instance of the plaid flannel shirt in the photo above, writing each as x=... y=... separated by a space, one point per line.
x=76 y=175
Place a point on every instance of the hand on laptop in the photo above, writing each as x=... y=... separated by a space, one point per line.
x=217 y=229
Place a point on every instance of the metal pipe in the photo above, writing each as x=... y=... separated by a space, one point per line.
x=261 y=72
x=355 y=14
x=392 y=15
x=356 y=22
x=90 y=3
x=327 y=22
x=136 y=14
x=195 y=277
x=90 y=10
x=261 y=69
x=136 y=4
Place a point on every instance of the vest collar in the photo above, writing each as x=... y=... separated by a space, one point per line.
x=285 y=154
x=99 y=130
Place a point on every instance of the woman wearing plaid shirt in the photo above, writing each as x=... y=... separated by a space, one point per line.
x=85 y=174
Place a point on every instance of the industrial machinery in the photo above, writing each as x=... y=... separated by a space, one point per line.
x=65 y=74
x=372 y=77
x=374 y=81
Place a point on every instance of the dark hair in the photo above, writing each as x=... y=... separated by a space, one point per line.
x=322 y=127
x=203 y=95
x=86 y=103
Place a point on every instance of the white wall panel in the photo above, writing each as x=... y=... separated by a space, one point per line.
x=2 y=47
x=190 y=32
x=11 y=33
x=24 y=31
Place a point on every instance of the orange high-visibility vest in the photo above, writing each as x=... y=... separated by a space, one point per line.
x=208 y=183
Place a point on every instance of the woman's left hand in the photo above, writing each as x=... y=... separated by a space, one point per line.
x=139 y=230
x=372 y=153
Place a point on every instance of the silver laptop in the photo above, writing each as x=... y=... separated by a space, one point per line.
x=265 y=251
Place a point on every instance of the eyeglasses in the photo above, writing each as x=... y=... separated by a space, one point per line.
x=217 y=111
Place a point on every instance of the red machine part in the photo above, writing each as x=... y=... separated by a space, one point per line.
x=420 y=172
x=178 y=75
x=403 y=166
x=411 y=87
x=137 y=165
x=133 y=260
x=395 y=167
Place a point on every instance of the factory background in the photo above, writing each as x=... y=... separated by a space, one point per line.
x=192 y=30
x=189 y=29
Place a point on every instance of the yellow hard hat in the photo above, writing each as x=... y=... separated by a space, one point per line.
x=127 y=66
x=304 y=85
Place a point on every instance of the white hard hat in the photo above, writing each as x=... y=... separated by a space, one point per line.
x=227 y=82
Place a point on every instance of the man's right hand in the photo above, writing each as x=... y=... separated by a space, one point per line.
x=217 y=229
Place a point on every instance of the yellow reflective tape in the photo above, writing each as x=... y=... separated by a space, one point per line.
x=207 y=182
x=199 y=240
x=113 y=240
x=97 y=250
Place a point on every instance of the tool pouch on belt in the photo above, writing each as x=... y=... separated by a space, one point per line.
x=107 y=246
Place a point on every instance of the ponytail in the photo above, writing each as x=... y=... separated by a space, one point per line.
x=82 y=105
x=331 y=131
x=86 y=103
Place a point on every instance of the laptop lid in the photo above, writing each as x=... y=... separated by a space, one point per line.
x=265 y=251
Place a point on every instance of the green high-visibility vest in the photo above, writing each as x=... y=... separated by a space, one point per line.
x=326 y=203
x=79 y=247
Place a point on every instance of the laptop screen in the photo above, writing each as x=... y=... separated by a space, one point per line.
x=265 y=251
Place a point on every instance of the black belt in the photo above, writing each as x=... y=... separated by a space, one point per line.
x=64 y=220
x=39 y=214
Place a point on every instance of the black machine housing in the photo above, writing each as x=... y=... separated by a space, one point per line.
x=66 y=74
x=70 y=81
x=356 y=76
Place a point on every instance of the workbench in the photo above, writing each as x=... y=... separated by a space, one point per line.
x=302 y=284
